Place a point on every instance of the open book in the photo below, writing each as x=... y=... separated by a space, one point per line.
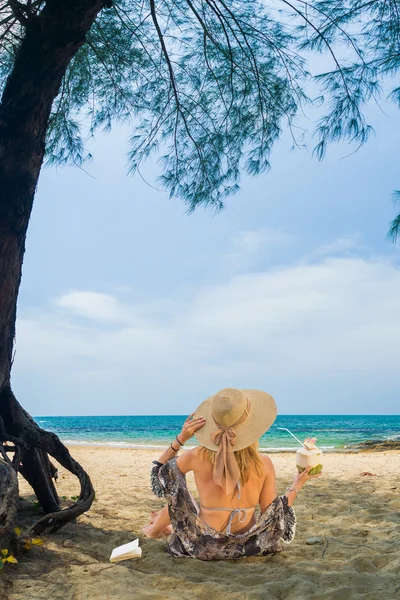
x=126 y=551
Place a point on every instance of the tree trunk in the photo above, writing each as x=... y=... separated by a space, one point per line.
x=51 y=40
x=8 y=505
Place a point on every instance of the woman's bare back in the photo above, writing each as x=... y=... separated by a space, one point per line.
x=212 y=495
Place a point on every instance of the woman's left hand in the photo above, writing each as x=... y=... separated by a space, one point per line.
x=302 y=477
x=189 y=427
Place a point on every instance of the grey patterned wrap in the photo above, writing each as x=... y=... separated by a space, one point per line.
x=192 y=537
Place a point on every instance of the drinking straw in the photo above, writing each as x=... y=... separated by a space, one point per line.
x=286 y=429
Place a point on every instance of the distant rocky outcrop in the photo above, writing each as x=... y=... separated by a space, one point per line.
x=375 y=445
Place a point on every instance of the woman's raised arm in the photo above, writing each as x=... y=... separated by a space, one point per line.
x=189 y=427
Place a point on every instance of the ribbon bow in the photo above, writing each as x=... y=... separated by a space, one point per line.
x=224 y=436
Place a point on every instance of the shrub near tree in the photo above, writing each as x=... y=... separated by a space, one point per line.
x=209 y=85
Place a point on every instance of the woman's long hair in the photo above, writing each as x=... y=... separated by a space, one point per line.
x=248 y=460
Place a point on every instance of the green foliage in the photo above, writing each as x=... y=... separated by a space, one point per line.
x=394 y=230
x=206 y=85
x=209 y=85
x=369 y=32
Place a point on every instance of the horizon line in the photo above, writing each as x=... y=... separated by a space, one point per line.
x=281 y=415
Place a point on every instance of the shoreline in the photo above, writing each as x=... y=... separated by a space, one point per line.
x=377 y=447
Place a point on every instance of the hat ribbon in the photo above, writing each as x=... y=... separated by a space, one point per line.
x=226 y=471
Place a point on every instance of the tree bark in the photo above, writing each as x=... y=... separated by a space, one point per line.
x=36 y=470
x=51 y=40
x=8 y=505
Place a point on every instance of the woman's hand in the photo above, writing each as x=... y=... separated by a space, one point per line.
x=304 y=476
x=189 y=427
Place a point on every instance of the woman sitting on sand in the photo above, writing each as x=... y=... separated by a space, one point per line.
x=232 y=479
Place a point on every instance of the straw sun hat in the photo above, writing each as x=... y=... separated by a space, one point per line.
x=248 y=413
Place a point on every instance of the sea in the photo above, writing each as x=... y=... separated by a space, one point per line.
x=333 y=432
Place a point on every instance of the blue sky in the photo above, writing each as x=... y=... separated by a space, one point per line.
x=130 y=306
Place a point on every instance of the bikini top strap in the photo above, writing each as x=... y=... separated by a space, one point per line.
x=240 y=512
x=229 y=509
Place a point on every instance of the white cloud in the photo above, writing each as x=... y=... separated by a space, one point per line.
x=92 y=305
x=248 y=247
x=324 y=323
x=252 y=241
x=344 y=245
x=332 y=314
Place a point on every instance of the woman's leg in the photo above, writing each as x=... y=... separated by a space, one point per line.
x=160 y=526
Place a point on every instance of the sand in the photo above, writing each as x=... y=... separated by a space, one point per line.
x=357 y=517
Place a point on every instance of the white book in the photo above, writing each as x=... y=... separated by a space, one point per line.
x=126 y=551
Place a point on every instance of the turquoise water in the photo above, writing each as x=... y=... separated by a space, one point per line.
x=333 y=432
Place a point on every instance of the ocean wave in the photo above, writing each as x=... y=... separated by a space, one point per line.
x=290 y=449
x=277 y=449
x=115 y=444
x=149 y=445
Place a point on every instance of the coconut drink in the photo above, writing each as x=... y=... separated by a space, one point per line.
x=309 y=456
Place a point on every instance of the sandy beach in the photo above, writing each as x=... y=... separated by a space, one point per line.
x=357 y=518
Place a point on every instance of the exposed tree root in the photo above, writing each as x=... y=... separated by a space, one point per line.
x=31 y=446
